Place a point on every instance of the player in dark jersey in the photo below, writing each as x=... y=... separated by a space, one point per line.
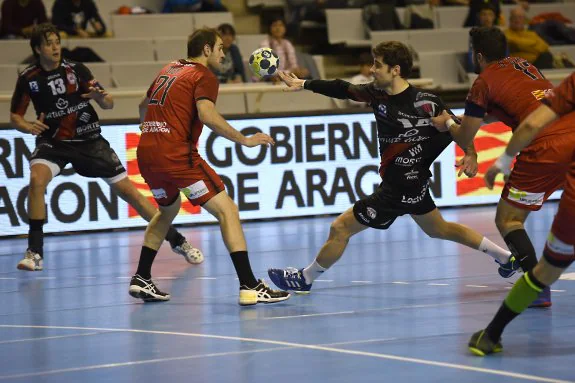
x=559 y=252
x=68 y=131
x=509 y=88
x=178 y=103
x=408 y=145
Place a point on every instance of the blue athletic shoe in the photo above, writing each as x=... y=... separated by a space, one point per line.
x=506 y=270
x=544 y=299
x=290 y=279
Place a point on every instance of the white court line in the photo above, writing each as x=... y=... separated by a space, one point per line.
x=323 y=280
x=359 y=342
x=284 y=344
x=49 y=337
x=568 y=277
x=400 y=283
x=438 y=284
x=206 y=278
x=478 y=286
x=4 y=278
x=45 y=277
x=361 y=281
x=558 y=291
x=166 y=278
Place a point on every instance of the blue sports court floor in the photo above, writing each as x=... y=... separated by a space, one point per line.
x=399 y=307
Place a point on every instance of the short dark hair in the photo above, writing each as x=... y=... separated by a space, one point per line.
x=226 y=29
x=395 y=53
x=490 y=42
x=487 y=7
x=198 y=40
x=40 y=33
x=365 y=59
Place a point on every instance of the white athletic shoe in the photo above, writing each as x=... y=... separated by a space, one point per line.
x=190 y=253
x=31 y=262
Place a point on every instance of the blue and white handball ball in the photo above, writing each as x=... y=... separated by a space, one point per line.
x=264 y=62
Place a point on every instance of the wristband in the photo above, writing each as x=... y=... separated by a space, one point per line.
x=504 y=163
x=449 y=123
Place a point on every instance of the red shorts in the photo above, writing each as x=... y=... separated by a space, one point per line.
x=199 y=183
x=540 y=169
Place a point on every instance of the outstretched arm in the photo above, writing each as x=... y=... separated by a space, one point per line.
x=340 y=89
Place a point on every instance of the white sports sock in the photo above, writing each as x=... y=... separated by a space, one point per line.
x=494 y=251
x=313 y=271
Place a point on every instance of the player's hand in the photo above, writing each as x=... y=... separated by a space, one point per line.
x=439 y=121
x=490 y=175
x=291 y=80
x=38 y=127
x=258 y=139
x=95 y=93
x=467 y=165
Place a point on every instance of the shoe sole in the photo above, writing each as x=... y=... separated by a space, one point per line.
x=543 y=305
x=139 y=293
x=26 y=268
x=248 y=302
x=478 y=352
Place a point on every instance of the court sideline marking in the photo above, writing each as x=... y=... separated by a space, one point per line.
x=286 y=344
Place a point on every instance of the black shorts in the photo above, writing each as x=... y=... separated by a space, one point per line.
x=93 y=158
x=380 y=209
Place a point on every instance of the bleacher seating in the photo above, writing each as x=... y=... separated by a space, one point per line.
x=161 y=25
x=118 y=49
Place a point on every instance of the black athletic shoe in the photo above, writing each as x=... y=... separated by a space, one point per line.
x=481 y=345
x=146 y=290
x=262 y=293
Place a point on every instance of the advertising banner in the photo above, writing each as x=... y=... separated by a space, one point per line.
x=319 y=165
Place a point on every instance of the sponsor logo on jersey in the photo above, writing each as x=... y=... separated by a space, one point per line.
x=411 y=175
x=417 y=149
x=371 y=213
x=34 y=86
x=416 y=199
x=525 y=198
x=195 y=190
x=541 y=94
x=428 y=107
x=382 y=109
x=61 y=104
x=84 y=117
x=71 y=78
x=406 y=161
x=159 y=193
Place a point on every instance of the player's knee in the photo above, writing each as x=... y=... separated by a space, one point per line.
x=339 y=230
x=38 y=182
x=228 y=212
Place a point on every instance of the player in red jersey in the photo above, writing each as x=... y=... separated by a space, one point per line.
x=67 y=131
x=559 y=250
x=178 y=103
x=509 y=88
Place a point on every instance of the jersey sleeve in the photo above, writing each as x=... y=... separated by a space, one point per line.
x=362 y=92
x=86 y=78
x=21 y=97
x=206 y=88
x=562 y=99
x=477 y=99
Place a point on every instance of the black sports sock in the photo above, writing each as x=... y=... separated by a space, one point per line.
x=174 y=237
x=520 y=245
x=523 y=293
x=36 y=236
x=243 y=268
x=145 y=265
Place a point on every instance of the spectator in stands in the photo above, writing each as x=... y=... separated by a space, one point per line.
x=420 y=16
x=75 y=17
x=364 y=76
x=181 y=6
x=525 y=43
x=20 y=16
x=232 y=68
x=475 y=7
x=486 y=18
x=283 y=48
